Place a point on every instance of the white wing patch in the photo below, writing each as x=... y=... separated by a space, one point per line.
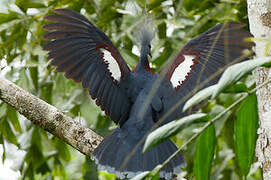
x=182 y=70
x=113 y=66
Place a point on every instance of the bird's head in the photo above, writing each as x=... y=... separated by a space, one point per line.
x=146 y=50
x=145 y=36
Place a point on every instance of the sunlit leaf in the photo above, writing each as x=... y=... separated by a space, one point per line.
x=169 y=130
x=199 y=97
x=245 y=132
x=204 y=155
x=236 y=71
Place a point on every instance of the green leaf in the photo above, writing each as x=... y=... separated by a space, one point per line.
x=25 y=4
x=168 y=50
x=89 y=169
x=245 y=132
x=4 y=149
x=23 y=81
x=219 y=124
x=199 y=97
x=3 y=110
x=102 y=125
x=36 y=138
x=7 y=132
x=205 y=146
x=63 y=150
x=13 y=118
x=236 y=88
x=47 y=92
x=236 y=71
x=169 y=130
x=35 y=156
x=162 y=30
x=155 y=3
x=34 y=72
x=129 y=57
x=8 y=17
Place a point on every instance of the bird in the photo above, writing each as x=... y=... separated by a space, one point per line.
x=86 y=54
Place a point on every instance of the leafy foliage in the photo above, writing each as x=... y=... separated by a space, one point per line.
x=204 y=154
x=245 y=127
x=170 y=129
x=23 y=61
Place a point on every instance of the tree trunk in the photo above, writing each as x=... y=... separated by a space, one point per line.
x=259 y=14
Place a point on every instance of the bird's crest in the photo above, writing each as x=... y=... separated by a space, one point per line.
x=145 y=32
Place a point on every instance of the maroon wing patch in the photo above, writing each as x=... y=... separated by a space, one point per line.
x=200 y=64
x=205 y=55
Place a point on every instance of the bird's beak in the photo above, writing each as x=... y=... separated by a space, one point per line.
x=150 y=54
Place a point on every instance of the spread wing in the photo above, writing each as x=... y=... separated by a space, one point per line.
x=200 y=63
x=86 y=55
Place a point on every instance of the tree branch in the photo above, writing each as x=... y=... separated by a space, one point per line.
x=49 y=118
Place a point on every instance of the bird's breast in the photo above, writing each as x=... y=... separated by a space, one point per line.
x=135 y=83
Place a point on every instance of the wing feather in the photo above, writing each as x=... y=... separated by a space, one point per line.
x=211 y=52
x=77 y=48
x=62 y=41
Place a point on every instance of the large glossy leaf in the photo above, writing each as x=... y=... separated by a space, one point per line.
x=169 y=130
x=245 y=132
x=205 y=146
x=236 y=71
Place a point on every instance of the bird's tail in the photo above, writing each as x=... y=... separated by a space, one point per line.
x=111 y=155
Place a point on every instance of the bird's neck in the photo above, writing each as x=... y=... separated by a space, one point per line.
x=143 y=64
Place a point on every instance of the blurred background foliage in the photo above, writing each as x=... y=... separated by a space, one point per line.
x=37 y=154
